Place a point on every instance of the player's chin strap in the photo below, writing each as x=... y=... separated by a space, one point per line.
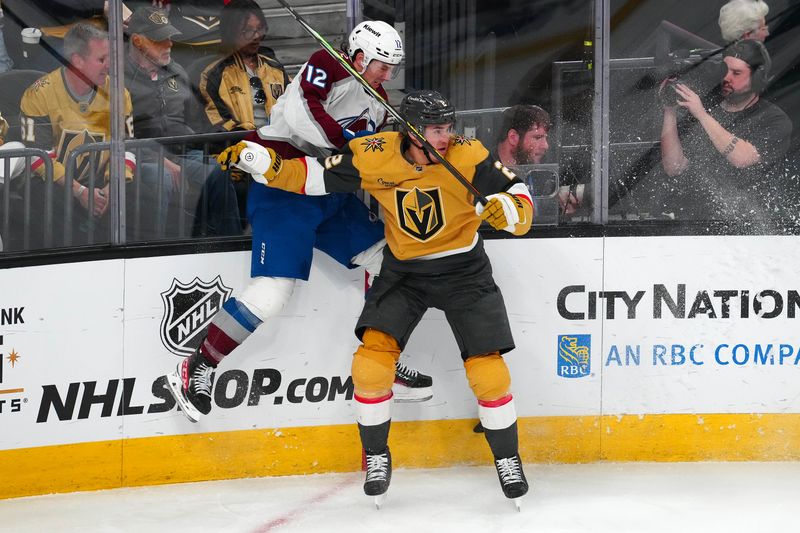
x=428 y=156
x=406 y=144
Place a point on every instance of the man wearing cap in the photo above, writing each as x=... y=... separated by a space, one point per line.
x=159 y=87
x=161 y=94
x=727 y=158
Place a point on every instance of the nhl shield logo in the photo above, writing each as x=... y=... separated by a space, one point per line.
x=188 y=310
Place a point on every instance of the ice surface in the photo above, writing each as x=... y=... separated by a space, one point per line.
x=610 y=497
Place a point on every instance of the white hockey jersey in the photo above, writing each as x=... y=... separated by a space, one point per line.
x=321 y=101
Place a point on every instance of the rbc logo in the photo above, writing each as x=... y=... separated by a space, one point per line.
x=573 y=359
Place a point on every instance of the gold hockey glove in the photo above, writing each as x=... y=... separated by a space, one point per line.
x=503 y=211
x=259 y=161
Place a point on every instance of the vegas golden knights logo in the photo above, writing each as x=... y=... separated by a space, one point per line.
x=87 y=161
x=158 y=18
x=419 y=212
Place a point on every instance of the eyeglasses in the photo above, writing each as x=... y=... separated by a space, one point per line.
x=249 y=33
x=260 y=96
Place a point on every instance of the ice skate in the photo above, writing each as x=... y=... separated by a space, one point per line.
x=512 y=478
x=410 y=385
x=190 y=385
x=379 y=475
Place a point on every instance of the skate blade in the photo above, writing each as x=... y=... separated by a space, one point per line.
x=379 y=499
x=518 y=503
x=176 y=388
x=402 y=394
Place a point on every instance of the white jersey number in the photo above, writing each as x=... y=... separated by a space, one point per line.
x=316 y=76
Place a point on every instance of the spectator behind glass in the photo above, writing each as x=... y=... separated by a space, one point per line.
x=68 y=108
x=744 y=19
x=523 y=136
x=240 y=89
x=162 y=97
x=523 y=141
x=727 y=157
x=239 y=92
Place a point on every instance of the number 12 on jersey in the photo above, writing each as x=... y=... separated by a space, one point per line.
x=316 y=76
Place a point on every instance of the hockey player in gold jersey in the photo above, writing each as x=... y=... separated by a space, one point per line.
x=434 y=258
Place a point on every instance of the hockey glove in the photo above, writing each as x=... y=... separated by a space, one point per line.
x=230 y=155
x=350 y=135
x=502 y=211
x=259 y=161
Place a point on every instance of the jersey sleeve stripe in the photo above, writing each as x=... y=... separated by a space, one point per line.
x=315 y=177
x=521 y=190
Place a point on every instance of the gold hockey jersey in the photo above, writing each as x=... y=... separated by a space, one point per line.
x=53 y=119
x=427 y=212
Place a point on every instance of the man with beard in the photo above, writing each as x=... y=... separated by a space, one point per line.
x=523 y=136
x=523 y=141
x=726 y=159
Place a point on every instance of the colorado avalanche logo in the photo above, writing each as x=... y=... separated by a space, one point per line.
x=188 y=310
x=460 y=139
x=373 y=144
x=360 y=122
x=419 y=212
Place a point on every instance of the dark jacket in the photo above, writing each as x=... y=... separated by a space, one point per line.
x=161 y=107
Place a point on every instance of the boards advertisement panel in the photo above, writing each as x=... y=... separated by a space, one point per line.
x=615 y=337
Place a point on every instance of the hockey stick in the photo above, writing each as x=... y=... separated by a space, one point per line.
x=391 y=110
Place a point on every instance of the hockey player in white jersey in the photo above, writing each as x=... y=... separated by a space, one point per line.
x=319 y=112
x=324 y=106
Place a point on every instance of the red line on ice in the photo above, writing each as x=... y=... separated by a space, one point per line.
x=294 y=513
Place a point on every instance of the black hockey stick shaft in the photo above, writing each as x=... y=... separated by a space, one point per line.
x=389 y=108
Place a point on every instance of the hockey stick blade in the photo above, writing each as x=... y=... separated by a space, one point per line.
x=389 y=108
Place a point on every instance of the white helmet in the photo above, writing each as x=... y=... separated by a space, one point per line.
x=378 y=40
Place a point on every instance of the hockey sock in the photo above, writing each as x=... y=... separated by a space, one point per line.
x=374 y=418
x=499 y=420
x=228 y=329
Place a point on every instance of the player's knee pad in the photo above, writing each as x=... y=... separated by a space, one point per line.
x=488 y=376
x=373 y=363
x=371 y=259
x=265 y=296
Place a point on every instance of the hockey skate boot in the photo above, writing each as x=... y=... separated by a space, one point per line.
x=379 y=475
x=512 y=478
x=410 y=385
x=190 y=384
